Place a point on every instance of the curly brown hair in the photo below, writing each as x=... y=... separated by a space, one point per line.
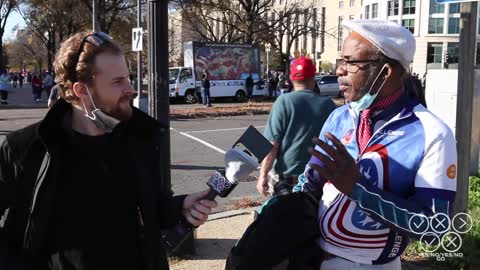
x=68 y=70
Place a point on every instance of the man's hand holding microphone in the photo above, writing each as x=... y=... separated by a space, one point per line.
x=196 y=207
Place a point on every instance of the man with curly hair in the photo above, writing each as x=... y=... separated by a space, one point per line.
x=82 y=189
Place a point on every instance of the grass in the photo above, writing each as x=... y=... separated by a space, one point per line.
x=250 y=108
x=471 y=241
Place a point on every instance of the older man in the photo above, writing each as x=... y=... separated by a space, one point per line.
x=385 y=163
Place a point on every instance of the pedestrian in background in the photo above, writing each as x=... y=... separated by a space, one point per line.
x=20 y=79
x=4 y=87
x=206 y=91
x=54 y=95
x=249 y=85
x=36 y=88
x=272 y=86
x=83 y=188
x=47 y=83
x=294 y=120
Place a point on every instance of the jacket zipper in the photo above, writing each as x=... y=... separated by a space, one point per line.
x=40 y=179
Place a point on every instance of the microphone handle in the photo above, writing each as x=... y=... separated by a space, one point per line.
x=211 y=195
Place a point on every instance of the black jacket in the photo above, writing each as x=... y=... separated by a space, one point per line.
x=30 y=162
x=205 y=83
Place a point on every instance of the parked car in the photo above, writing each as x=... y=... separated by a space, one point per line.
x=328 y=85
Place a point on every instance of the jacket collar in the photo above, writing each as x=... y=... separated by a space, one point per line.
x=51 y=129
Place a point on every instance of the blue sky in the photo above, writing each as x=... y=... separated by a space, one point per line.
x=13 y=20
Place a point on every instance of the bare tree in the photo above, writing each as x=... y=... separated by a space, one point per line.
x=111 y=11
x=26 y=50
x=243 y=21
x=6 y=7
x=251 y=21
x=51 y=21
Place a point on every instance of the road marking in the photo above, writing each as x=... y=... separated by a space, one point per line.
x=203 y=142
x=225 y=129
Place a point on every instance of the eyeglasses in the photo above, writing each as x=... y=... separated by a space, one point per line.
x=352 y=65
x=96 y=39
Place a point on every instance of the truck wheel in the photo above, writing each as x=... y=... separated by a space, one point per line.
x=190 y=97
x=240 y=96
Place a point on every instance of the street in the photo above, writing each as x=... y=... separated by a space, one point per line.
x=196 y=144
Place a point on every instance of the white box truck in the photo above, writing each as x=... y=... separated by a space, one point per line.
x=227 y=65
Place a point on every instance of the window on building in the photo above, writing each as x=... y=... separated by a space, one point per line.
x=352 y=3
x=393 y=8
x=409 y=24
x=351 y=17
x=409 y=6
x=340 y=33
x=374 y=10
x=340 y=4
x=367 y=12
x=454 y=8
x=454 y=25
x=436 y=8
x=434 y=55
x=435 y=26
x=453 y=50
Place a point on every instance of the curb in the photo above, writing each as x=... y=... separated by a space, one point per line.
x=230 y=213
x=24 y=106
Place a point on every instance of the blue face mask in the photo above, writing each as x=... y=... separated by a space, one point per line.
x=367 y=100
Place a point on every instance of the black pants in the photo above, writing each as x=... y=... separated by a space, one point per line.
x=286 y=229
x=4 y=95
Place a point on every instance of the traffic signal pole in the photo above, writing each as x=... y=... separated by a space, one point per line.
x=158 y=99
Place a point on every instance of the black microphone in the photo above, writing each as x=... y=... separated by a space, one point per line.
x=238 y=165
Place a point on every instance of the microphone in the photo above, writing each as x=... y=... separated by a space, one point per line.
x=238 y=165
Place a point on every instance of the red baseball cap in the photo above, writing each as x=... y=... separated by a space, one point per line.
x=302 y=68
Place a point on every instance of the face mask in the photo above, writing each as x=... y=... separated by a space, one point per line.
x=99 y=118
x=366 y=101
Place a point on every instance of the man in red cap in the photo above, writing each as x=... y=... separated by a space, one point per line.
x=294 y=120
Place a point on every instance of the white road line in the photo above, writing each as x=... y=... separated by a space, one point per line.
x=203 y=142
x=225 y=129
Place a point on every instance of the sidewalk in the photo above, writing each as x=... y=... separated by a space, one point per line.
x=214 y=240
x=23 y=98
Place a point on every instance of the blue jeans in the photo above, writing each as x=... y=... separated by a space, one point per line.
x=206 y=96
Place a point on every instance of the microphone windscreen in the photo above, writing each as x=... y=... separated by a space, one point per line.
x=239 y=164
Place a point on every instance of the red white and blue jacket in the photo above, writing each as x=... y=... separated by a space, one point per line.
x=408 y=175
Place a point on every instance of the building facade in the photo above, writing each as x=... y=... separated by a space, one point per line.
x=336 y=12
x=436 y=28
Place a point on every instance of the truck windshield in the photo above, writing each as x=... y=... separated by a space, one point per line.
x=173 y=74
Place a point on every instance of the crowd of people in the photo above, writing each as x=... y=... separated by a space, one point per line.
x=40 y=82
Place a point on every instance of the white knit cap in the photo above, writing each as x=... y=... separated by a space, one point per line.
x=392 y=39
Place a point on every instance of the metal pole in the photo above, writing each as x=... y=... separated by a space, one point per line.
x=158 y=97
x=139 y=54
x=94 y=17
x=268 y=70
x=158 y=77
x=463 y=127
